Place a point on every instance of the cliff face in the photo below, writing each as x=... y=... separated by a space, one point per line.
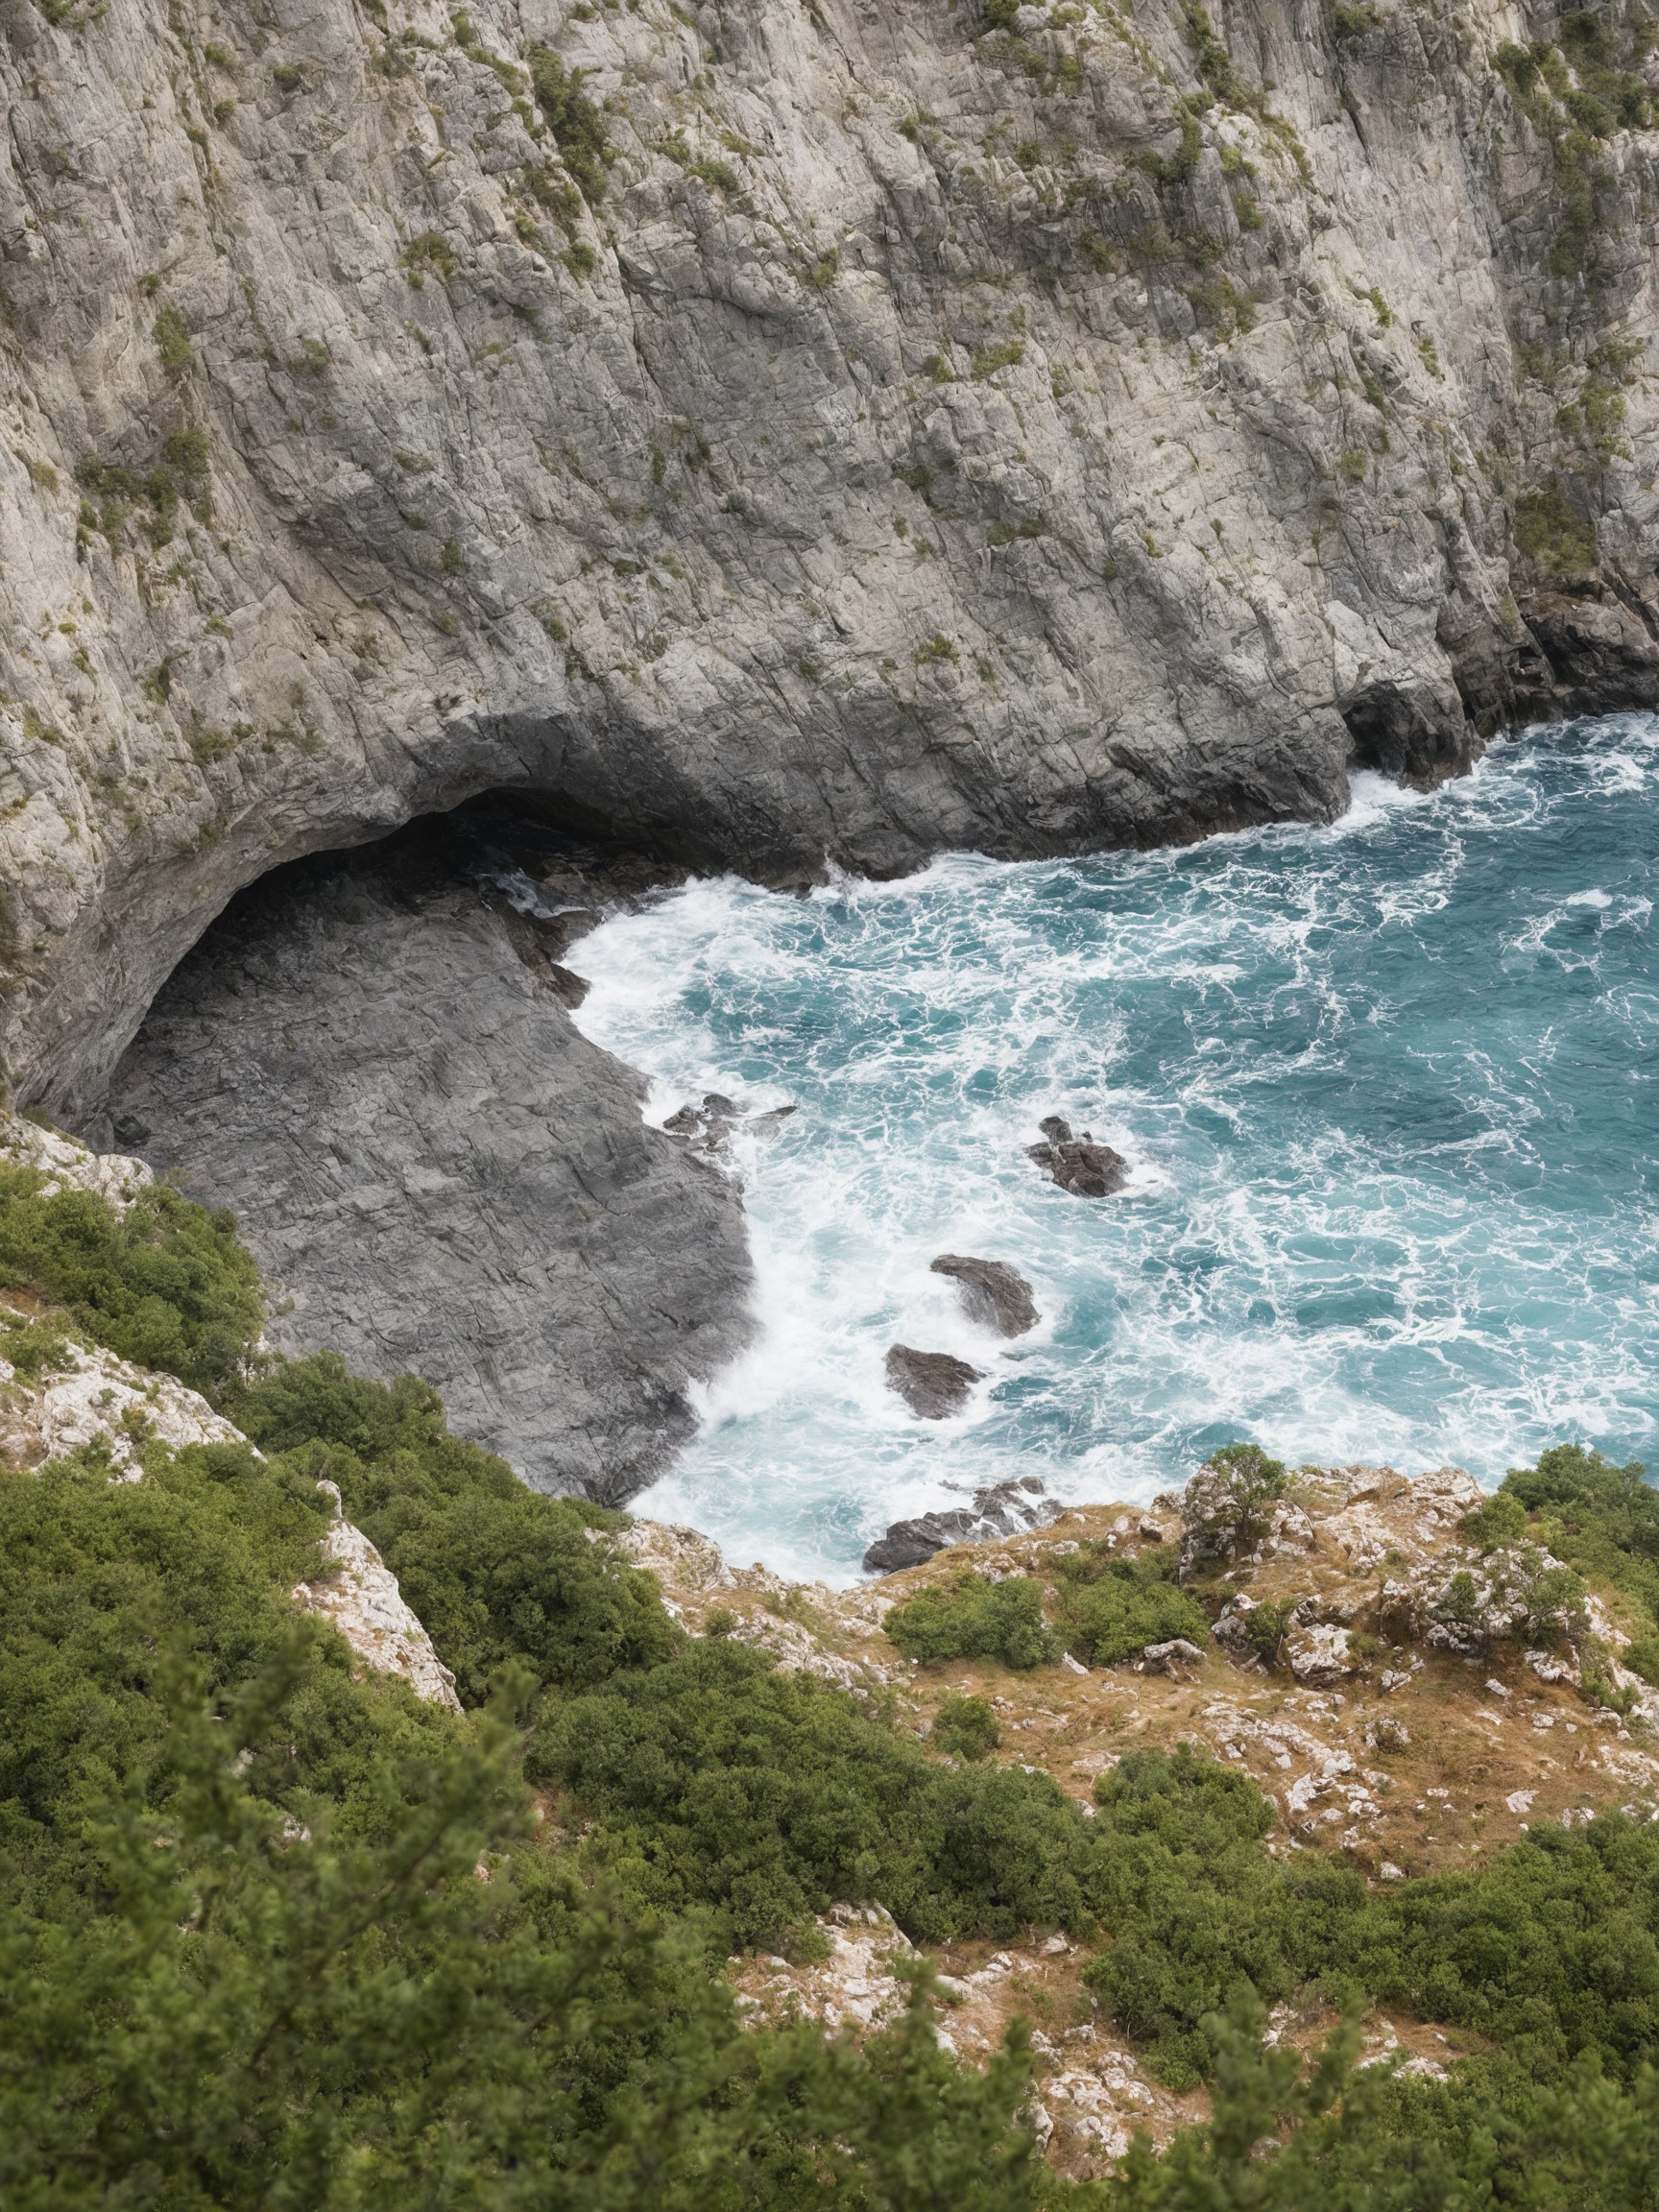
x=819 y=430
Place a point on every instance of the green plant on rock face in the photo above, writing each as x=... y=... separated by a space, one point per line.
x=1268 y=1624
x=967 y=1728
x=975 y=1619
x=1501 y=1520
x=988 y=359
x=574 y=121
x=1228 y=1507
x=1576 y=96
x=1553 y=536
x=430 y=251
x=172 y=340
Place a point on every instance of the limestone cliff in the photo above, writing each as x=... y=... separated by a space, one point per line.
x=773 y=431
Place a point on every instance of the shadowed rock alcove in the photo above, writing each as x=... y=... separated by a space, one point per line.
x=369 y=1058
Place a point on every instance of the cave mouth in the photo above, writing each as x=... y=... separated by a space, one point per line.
x=1395 y=730
x=520 y=853
x=369 y=1059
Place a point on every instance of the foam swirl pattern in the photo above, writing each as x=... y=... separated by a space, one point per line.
x=1387 y=1090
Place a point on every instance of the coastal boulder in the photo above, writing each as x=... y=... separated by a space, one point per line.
x=933 y=1384
x=992 y=1292
x=1003 y=1509
x=1078 y=1163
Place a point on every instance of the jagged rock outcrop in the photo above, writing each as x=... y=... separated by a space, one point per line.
x=933 y=1384
x=818 y=430
x=1005 y=1509
x=992 y=1293
x=355 y=1592
x=437 y=1172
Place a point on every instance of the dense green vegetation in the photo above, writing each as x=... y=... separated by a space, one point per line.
x=273 y=1936
x=966 y=1727
x=1553 y=1948
x=975 y=1619
x=1112 y=1608
x=576 y=123
x=166 y=1284
x=1603 y=1520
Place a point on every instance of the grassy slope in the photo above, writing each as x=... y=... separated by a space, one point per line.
x=251 y=1956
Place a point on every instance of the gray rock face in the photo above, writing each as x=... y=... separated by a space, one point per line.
x=933 y=1384
x=926 y=435
x=993 y=1292
x=439 y=1173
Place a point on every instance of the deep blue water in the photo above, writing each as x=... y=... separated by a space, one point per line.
x=1387 y=1089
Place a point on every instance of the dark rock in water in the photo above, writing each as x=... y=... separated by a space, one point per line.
x=439 y=1173
x=931 y=1384
x=992 y=1292
x=1005 y=1509
x=911 y=1543
x=1078 y=1163
x=707 y=1128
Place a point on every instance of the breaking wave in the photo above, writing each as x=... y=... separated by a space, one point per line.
x=1387 y=1094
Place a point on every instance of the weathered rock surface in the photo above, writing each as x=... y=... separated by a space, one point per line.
x=357 y=1593
x=1078 y=1164
x=993 y=1292
x=933 y=1384
x=1005 y=1509
x=1088 y=431
x=438 y=1172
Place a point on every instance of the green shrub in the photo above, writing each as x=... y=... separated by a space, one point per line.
x=172 y=340
x=975 y=1619
x=1268 y=1624
x=500 y=1575
x=1601 y=1517
x=574 y=121
x=1501 y=1520
x=1229 y=1502
x=1194 y=1906
x=166 y=1284
x=714 y=1779
x=966 y=1727
x=1551 y=533
x=1111 y=1608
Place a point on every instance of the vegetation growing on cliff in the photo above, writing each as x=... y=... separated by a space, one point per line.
x=275 y=1935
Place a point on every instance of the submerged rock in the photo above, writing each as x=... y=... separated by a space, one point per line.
x=932 y=1384
x=707 y=1128
x=1078 y=1164
x=1003 y=1509
x=992 y=1292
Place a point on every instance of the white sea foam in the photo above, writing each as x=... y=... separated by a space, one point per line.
x=1381 y=1085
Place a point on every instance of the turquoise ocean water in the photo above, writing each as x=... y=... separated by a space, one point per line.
x=1391 y=1095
